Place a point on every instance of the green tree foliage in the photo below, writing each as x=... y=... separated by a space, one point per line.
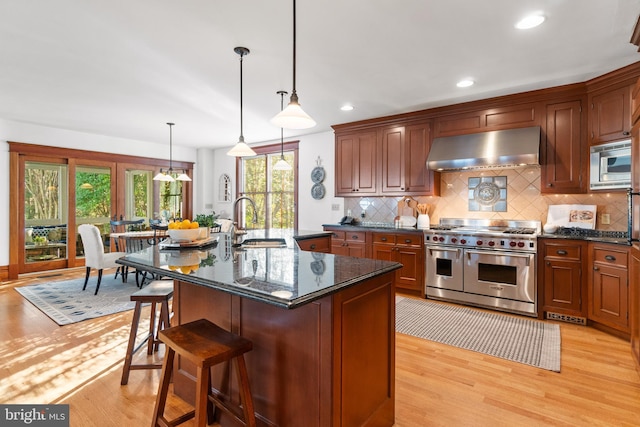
x=93 y=194
x=41 y=186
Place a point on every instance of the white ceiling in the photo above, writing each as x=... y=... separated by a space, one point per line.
x=124 y=68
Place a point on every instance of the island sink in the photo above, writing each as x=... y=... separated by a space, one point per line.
x=264 y=243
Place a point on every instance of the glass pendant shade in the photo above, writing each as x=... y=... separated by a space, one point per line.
x=282 y=165
x=241 y=149
x=293 y=117
x=183 y=177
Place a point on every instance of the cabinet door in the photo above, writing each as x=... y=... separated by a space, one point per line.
x=609 y=297
x=356 y=156
x=563 y=286
x=383 y=252
x=393 y=160
x=610 y=117
x=562 y=150
x=634 y=309
x=410 y=276
x=419 y=179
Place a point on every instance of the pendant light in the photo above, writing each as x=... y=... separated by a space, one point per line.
x=241 y=149
x=282 y=165
x=293 y=117
x=168 y=175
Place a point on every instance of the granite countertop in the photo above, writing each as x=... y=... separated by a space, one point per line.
x=285 y=277
x=612 y=240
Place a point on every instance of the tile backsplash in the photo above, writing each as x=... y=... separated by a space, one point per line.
x=524 y=200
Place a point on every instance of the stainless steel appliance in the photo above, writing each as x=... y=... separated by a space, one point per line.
x=488 y=263
x=610 y=165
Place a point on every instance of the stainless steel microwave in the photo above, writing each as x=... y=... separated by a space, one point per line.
x=610 y=165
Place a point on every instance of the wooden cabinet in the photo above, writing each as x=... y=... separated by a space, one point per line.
x=634 y=306
x=610 y=115
x=408 y=250
x=315 y=244
x=608 y=291
x=562 y=287
x=347 y=242
x=635 y=138
x=356 y=163
x=404 y=156
x=563 y=152
x=514 y=116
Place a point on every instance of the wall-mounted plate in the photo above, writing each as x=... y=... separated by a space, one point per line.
x=317 y=191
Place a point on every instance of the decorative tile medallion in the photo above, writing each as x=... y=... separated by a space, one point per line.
x=488 y=194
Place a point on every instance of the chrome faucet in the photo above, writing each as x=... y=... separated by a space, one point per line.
x=236 y=231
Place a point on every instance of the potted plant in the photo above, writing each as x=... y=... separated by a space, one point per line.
x=209 y=220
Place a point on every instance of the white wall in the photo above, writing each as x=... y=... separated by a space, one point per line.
x=311 y=213
x=42 y=135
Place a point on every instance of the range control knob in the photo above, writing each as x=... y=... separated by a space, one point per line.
x=512 y=244
x=463 y=241
x=441 y=239
x=491 y=243
x=454 y=240
x=521 y=244
x=479 y=243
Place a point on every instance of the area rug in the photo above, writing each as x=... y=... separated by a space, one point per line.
x=515 y=338
x=65 y=302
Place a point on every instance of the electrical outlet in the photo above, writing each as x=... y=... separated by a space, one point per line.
x=605 y=219
x=335 y=207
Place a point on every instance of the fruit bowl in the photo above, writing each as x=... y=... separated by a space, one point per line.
x=188 y=235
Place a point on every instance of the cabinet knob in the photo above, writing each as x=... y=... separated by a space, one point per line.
x=384 y=239
x=626 y=133
x=407 y=240
x=610 y=258
x=550 y=184
x=561 y=252
x=596 y=268
x=313 y=246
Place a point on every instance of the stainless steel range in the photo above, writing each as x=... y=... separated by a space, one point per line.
x=488 y=263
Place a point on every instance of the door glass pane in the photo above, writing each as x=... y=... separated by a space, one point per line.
x=93 y=201
x=139 y=194
x=171 y=199
x=45 y=211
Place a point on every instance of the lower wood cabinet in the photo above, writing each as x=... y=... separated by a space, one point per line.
x=609 y=286
x=634 y=306
x=408 y=250
x=563 y=291
x=347 y=242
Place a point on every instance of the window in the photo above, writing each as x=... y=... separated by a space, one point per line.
x=274 y=192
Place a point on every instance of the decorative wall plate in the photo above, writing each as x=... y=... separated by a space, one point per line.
x=487 y=193
x=317 y=191
x=317 y=174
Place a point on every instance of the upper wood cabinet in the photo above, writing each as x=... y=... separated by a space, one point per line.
x=562 y=151
x=522 y=115
x=635 y=138
x=404 y=156
x=356 y=163
x=610 y=115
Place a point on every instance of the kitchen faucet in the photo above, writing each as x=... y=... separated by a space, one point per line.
x=236 y=231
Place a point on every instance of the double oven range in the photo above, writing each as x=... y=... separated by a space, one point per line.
x=488 y=263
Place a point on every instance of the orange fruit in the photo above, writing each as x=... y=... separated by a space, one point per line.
x=186 y=269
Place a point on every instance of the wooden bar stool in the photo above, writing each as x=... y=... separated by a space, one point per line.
x=156 y=292
x=205 y=344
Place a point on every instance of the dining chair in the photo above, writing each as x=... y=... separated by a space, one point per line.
x=122 y=244
x=94 y=256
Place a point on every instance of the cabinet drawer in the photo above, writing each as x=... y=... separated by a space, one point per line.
x=607 y=256
x=562 y=251
x=408 y=240
x=337 y=235
x=355 y=236
x=384 y=238
x=320 y=244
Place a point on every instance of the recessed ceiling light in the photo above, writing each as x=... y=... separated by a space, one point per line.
x=346 y=107
x=530 y=21
x=465 y=83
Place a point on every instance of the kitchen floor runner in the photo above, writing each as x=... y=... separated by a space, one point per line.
x=515 y=338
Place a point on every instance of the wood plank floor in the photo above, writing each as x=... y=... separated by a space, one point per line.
x=436 y=385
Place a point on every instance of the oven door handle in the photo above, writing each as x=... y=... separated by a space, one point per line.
x=527 y=258
x=458 y=251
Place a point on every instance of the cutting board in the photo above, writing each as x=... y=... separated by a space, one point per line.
x=407 y=206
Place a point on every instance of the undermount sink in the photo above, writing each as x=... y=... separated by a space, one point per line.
x=264 y=243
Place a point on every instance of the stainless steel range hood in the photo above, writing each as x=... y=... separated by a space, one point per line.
x=486 y=150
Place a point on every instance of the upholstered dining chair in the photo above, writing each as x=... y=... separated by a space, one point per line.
x=94 y=256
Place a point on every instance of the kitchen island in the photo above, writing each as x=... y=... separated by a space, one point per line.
x=322 y=327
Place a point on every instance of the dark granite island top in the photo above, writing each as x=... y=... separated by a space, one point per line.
x=322 y=327
x=286 y=277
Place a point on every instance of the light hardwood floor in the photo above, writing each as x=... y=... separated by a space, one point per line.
x=436 y=385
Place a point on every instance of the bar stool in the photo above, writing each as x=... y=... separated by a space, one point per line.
x=156 y=292
x=204 y=344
